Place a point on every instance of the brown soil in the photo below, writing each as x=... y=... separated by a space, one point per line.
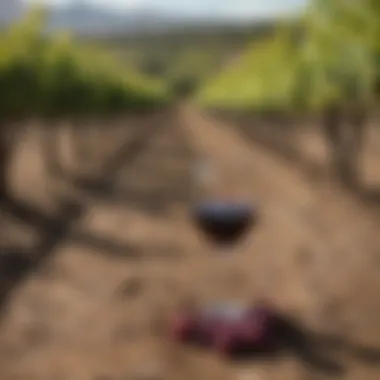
x=111 y=262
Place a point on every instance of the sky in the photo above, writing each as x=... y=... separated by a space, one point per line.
x=232 y=8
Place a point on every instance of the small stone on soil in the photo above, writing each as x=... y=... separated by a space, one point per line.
x=131 y=288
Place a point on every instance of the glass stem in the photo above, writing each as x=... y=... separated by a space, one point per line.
x=228 y=272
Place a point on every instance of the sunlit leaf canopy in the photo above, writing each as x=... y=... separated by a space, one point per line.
x=53 y=76
x=330 y=55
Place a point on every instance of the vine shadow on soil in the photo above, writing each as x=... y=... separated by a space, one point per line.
x=275 y=133
x=166 y=185
x=319 y=352
x=17 y=263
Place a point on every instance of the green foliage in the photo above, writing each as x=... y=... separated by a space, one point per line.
x=184 y=87
x=182 y=55
x=334 y=60
x=153 y=66
x=55 y=76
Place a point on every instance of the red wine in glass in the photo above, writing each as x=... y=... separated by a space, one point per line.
x=224 y=223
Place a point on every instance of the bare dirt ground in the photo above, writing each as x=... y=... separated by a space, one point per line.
x=86 y=269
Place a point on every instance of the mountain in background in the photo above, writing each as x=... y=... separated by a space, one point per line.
x=85 y=19
x=88 y=20
x=10 y=10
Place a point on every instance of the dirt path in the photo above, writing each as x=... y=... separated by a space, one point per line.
x=87 y=312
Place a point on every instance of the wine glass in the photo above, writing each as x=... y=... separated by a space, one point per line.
x=223 y=217
x=224 y=223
